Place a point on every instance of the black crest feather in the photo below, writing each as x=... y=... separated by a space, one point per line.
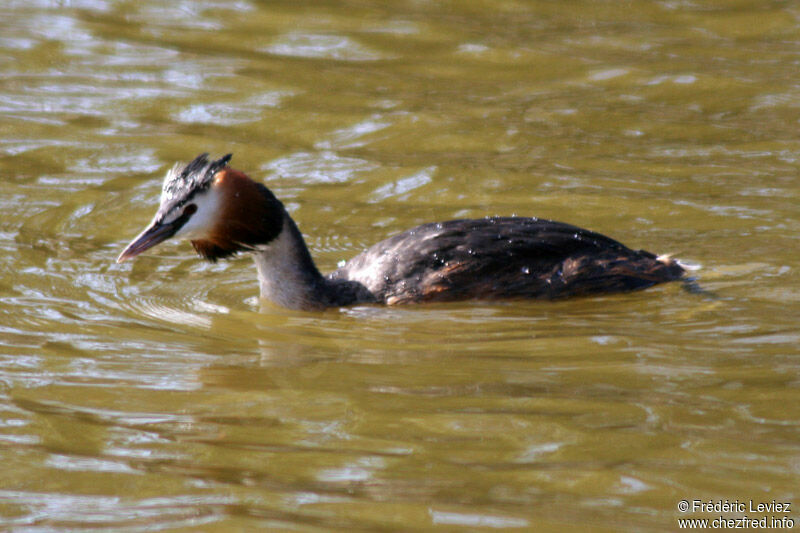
x=183 y=180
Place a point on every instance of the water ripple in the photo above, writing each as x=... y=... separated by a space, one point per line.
x=322 y=46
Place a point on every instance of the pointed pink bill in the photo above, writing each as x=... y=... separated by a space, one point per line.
x=154 y=234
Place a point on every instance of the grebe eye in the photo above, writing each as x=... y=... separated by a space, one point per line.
x=189 y=210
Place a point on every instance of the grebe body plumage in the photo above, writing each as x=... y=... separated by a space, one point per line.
x=224 y=212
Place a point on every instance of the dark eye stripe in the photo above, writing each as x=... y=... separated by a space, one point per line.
x=184 y=218
x=188 y=211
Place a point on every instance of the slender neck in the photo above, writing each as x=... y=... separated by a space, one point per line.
x=288 y=276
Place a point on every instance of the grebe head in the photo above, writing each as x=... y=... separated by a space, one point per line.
x=219 y=209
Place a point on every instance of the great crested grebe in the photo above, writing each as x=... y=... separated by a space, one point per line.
x=222 y=211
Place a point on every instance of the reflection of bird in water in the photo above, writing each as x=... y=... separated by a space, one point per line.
x=222 y=212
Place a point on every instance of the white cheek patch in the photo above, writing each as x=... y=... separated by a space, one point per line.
x=202 y=222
